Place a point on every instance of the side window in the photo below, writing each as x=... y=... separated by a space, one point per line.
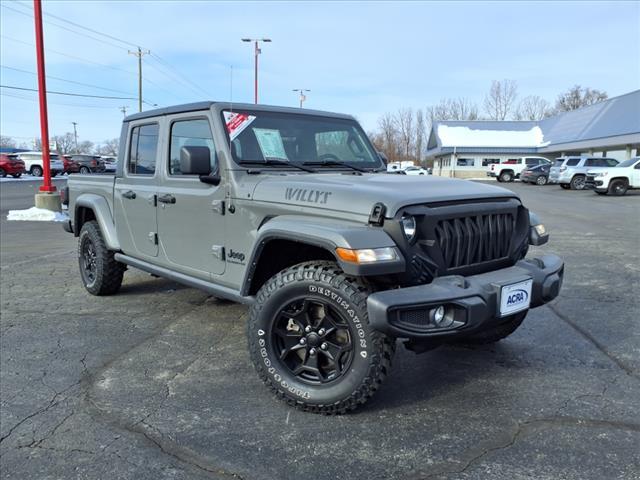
x=611 y=163
x=142 y=150
x=190 y=133
x=572 y=162
x=531 y=161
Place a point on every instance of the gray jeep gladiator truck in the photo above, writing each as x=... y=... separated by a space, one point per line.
x=291 y=212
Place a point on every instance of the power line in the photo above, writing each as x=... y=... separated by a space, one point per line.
x=65 y=80
x=53 y=102
x=178 y=73
x=81 y=26
x=67 y=93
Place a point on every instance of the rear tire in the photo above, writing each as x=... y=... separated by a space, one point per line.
x=618 y=188
x=541 y=180
x=101 y=274
x=36 y=171
x=84 y=170
x=506 y=176
x=498 y=332
x=310 y=339
x=3 y=174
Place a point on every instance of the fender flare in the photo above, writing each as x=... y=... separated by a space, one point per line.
x=103 y=215
x=326 y=234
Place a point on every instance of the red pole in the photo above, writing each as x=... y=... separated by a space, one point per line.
x=42 y=94
x=257 y=51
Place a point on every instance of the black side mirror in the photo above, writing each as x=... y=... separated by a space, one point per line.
x=195 y=161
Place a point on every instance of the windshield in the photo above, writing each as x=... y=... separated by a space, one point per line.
x=627 y=163
x=258 y=136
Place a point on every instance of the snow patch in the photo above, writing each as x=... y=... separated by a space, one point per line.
x=468 y=137
x=35 y=214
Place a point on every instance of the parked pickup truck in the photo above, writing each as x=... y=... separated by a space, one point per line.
x=292 y=212
x=511 y=169
x=615 y=180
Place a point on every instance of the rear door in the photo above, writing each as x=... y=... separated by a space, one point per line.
x=190 y=213
x=135 y=191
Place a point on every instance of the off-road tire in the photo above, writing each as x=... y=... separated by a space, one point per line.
x=506 y=177
x=618 y=187
x=497 y=333
x=541 y=180
x=373 y=351
x=108 y=273
x=36 y=171
x=565 y=186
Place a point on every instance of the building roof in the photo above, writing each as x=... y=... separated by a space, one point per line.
x=615 y=121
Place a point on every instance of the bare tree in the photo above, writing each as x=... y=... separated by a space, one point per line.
x=420 y=133
x=452 y=109
x=533 y=107
x=85 y=147
x=65 y=143
x=389 y=135
x=108 y=147
x=6 y=141
x=500 y=100
x=577 y=97
x=404 y=124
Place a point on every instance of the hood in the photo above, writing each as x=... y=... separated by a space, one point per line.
x=358 y=193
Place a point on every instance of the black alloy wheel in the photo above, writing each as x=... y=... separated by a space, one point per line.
x=88 y=263
x=314 y=341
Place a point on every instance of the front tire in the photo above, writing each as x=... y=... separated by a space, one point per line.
x=3 y=174
x=577 y=182
x=84 y=170
x=310 y=339
x=101 y=274
x=16 y=175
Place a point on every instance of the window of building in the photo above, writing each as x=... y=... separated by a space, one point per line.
x=465 y=162
x=190 y=133
x=489 y=161
x=142 y=150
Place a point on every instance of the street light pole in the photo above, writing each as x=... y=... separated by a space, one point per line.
x=256 y=52
x=303 y=97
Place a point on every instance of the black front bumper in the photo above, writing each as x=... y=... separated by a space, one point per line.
x=473 y=302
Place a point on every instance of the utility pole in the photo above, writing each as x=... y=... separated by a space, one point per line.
x=75 y=134
x=303 y=97
x=256 y=52
x=140 y=53
x=123 y=109
x=47 y=197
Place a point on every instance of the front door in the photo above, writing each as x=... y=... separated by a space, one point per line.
x=190 y=213
x=134 y=195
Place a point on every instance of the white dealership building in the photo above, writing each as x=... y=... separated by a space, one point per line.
x=466 y=148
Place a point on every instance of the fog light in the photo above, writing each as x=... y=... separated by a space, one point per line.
x=437 y=315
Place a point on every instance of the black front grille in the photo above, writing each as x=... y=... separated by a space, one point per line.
x=475 y=239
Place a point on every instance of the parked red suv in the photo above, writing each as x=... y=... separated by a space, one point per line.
x=70 y=166
x=11 y=165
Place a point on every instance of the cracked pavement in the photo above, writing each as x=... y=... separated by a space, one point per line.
x=156 y=382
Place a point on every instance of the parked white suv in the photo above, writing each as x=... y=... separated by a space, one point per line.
x=512 y=168
x=33 y=163
x=615 y=180
x=571 y=172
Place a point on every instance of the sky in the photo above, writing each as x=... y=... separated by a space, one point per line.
x=363 y=58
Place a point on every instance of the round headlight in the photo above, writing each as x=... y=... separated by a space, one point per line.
x=408 y=226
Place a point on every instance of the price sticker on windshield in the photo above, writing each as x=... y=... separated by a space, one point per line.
x=237 y=122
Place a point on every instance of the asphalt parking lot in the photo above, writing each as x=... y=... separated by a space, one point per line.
x=156 y=382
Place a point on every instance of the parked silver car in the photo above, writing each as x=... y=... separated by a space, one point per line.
x=571 y=172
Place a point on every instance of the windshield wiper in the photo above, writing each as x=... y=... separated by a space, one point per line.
x=276 y=161
x=337 y=163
